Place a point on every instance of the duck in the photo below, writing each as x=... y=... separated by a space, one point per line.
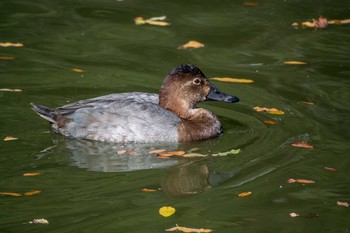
x=138 y=117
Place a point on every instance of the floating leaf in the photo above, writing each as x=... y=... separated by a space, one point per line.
x=344 y=204
x=152 y=21
x=39 y=221
x=231 y=152
x=293 y=215
x=191 y=44
x=193 y=155
x=7 y=58
x=244 y=194
x=269 y=110
x=308 y=102
x=250 y=3
x=332 y=169
x=31 y=193
x=147 y=190
x=11 y=194
x=10 y=44
x=32 y=174
x=172 y=153
x=301 y=181
x=269 y=122
x=166 y=211
x=188 y=229
x=9 y=138
x=302 y=145
x=156 y=151
x=232 y=80
x=10 y=90
x=294 y=62
x=128 y=152
x=78 y=70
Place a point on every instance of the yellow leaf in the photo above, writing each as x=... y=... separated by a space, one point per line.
x=11 y=194
x=301 y=181
x=269 y=110
x=9 y=138
x=191 y=44
x=78 y=70
x=166 y=211
x=269 y=122
x=172 y=153
x=31 y=193
x=193 y=155
x=244 y=194
x=147 y=190
x=294 y=62
x=157 y=23
x=156 y=151
x=139 y=20
x=232 y=80
x=10 y=90
x=32 y=174
x=10 y=44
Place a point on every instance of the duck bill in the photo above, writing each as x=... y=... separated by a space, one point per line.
x=217 y=95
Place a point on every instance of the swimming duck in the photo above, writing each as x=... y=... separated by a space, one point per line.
x=171 y=116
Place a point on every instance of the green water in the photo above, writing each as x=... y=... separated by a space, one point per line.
x=87 y=187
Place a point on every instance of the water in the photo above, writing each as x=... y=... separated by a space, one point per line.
x=87 y=187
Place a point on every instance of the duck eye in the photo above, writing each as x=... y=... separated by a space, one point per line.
x=196 y=81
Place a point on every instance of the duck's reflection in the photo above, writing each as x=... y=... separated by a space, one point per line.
x=184 y=176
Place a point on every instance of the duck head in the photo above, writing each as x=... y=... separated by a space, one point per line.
x=185 y=86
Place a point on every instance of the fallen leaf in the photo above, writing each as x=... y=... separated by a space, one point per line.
x=156 y=151
x=330 y=169
x=308 y=102
x=294 y=62
x=7 y=58
x=269 y=122
x=163 y=157
x=193 y=155
x=11 y=194
x=39 y=221
x=158 y=21
x=128 y=152
x=232 y=80
x=32 y=174
x=244 y=194
x=188 y=229
x=344 y=204
x=172 y=153
x=10 y=44
x=78 y=70
x=301 y=181
x=9 y=138
x=167 y=211
x=231 y=152
x=191 y=44
x=302 y=145
x=10 y=90
x=293 y=215
x=147 y=190
x=31 y=193
x=269 y=110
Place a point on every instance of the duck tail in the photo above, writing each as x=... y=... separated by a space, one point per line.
x=44 y=112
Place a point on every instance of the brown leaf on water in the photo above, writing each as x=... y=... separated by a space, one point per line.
x=269 y=122
x=78 y=70
x=156 y=151
x=128 y=152
x=232 y=80
x=343 y=204
x=188 y=229
x=302 y=145
x=191 y=44
x=294 y=62
x=147 y=190
x=244 y=194
x=172 y=153
x=332 y=169
x=31 y=193
x=11 y=194
x=10 y=44
x=194 y=155
x=11 y=90
x=301 y=181
x=9 y=138
x=32 y=174
x=157 y=23
x=269 y=110
x=7 y=58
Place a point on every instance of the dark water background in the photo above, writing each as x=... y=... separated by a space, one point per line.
x=87 y=187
